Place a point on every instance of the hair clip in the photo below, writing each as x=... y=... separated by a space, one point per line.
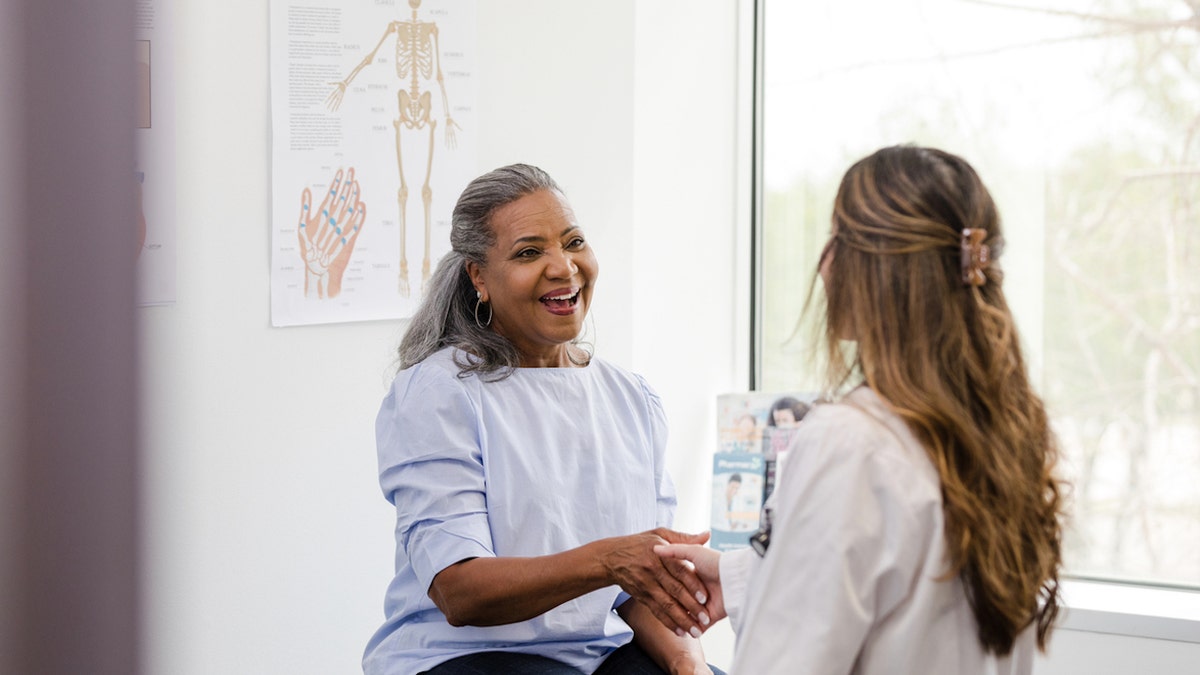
x=976 y=256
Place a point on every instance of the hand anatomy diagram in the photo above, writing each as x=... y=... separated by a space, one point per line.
x=418 y=62
x=327 y=234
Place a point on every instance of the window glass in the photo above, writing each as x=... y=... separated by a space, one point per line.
x=1083 y=118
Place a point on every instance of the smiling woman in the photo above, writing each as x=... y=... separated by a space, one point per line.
x=528 y=477
x=538 y=278
x=504 y=221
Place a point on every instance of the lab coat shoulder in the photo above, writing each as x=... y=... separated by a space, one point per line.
x=857 y=446
x=853 y=515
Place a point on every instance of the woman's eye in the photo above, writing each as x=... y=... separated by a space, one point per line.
x=576 y=243
x=527 y=253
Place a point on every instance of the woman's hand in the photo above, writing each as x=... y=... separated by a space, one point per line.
x=707 y=565
x=669 y=588
x=673 y=653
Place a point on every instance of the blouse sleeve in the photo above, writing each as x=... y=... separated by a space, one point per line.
x=844 y=549
x=431 y=469
x=664 y=487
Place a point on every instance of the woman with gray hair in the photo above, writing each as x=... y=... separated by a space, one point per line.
x=528 y=476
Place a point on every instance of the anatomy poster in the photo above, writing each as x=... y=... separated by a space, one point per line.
x=373 y=114
x=154 y=174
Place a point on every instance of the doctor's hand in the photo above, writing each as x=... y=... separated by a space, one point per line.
x=707 y=565
x=669 y=588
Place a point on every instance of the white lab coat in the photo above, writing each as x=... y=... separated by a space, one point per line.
x=853 y=581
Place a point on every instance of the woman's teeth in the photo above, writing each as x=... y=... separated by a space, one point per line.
x=565 y=298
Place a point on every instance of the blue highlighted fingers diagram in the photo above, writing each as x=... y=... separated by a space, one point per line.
x=327 y=233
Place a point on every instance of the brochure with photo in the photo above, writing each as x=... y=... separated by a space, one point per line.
x=754 y=431
x=737 y=498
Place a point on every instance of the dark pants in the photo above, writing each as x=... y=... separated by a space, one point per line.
x=626 y=660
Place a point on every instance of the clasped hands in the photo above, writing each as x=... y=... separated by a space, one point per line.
x=705 y=565
x=654 y=568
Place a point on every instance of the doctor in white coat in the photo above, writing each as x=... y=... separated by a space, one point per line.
x=917 y=525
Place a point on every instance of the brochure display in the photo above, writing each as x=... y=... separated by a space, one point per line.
x=754 y=432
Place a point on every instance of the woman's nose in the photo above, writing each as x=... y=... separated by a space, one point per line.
x=562 y=265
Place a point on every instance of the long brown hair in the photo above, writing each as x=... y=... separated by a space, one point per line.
x=945 y=356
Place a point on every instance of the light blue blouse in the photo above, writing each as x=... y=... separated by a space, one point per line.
x=545 y=460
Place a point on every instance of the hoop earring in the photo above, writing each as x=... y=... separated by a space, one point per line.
x=479 y=301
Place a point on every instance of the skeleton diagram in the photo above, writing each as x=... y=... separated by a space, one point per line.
x=417 y=59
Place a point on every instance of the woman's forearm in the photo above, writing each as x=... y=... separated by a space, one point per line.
x=672 y=653
x=494 y=591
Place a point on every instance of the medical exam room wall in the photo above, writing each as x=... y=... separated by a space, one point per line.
x=268 y=543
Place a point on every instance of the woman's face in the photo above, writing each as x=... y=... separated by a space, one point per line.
x=539 y=276
x=784 y=417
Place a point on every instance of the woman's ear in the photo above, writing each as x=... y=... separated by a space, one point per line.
x=475 y=272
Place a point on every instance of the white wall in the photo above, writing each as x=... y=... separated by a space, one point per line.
x=268 y=544
x=685 y=244
x=687 y=311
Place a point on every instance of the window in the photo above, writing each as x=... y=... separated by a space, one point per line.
x=1083 y=118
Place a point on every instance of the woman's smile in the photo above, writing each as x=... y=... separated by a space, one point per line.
x=561 y=301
